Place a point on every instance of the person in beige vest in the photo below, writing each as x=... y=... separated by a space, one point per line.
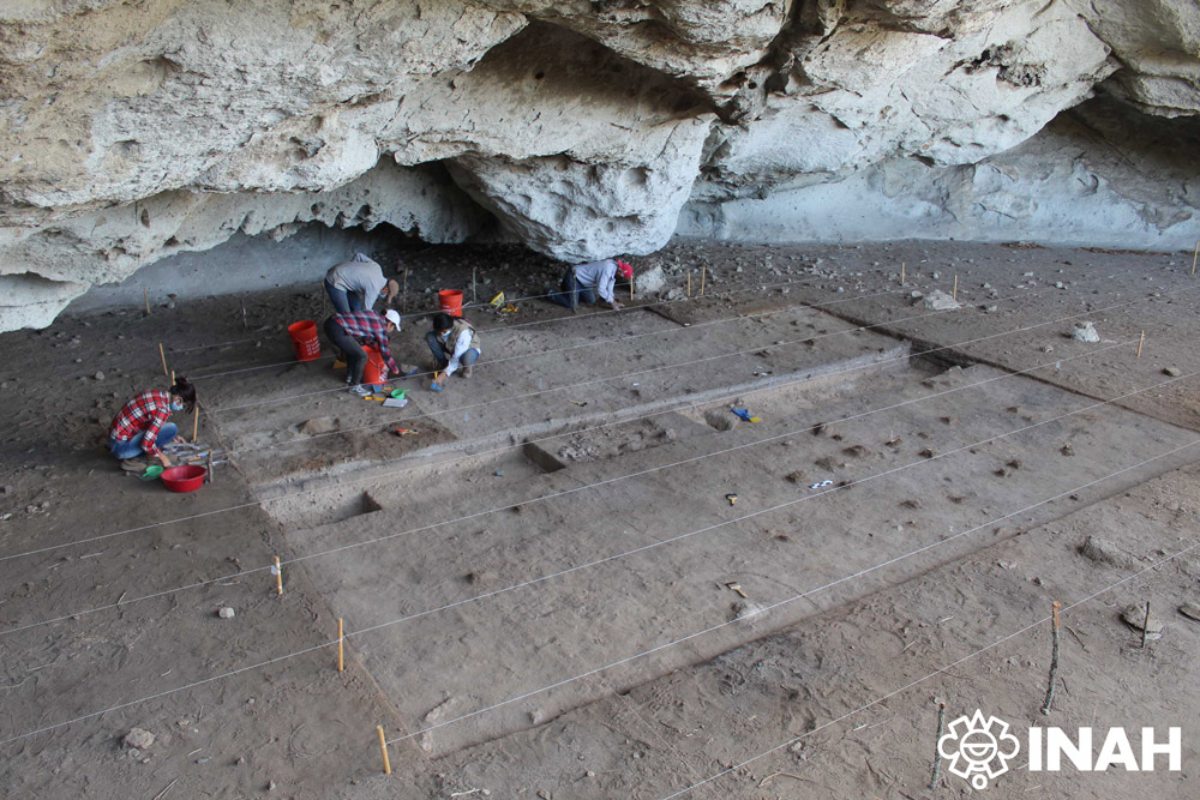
x=455 y=347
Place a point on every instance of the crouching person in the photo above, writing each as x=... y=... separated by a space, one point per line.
x=349 y=332
x=455 y=347
x=141 y=427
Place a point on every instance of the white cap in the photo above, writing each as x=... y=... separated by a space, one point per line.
x=393 y=316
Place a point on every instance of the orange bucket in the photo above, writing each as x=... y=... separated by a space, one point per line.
x=450 y=301
x=373 y=369
x=304 y=340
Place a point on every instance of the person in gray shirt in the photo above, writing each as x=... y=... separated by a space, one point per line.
x=356 y=284
x=583 y=283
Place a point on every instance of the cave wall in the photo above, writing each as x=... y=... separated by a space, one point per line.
x=136 y=130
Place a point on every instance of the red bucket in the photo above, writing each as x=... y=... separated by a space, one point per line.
x=183 y=479
x=304 y=340
x=373 y=369
x=450 y=301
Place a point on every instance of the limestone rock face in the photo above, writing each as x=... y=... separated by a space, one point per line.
x=131 y=130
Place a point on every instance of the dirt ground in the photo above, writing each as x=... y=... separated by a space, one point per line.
x=539 y=584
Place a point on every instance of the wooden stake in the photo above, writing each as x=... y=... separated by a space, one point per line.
x=1055 y=622
x=210 y=468
x=146 y=298
x=1195 y=255
x=954 y=291
x=689 y=284
x=341 y=646
x=703 y=275
x=901 y=273
x=937 y=754
x=172 y=378
x=387 y=762
x=195 y=422
x=1141 y=343
x=163 y=355
x=278 y=570
x=1146 y=625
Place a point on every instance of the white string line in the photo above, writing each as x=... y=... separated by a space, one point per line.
x=555 y=435
x=502 y=448
x=794 y=598
x=647 y=371
x=658 y=648
x=758 y=287
x=608 y=340
x=939 y=671
x=542 y=498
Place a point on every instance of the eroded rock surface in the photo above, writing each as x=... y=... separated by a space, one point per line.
x=130 y=131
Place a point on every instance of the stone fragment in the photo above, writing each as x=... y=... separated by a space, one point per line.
x=937 y=300
x=1085 y=332
x=139 y=739
x=1190 y=610
x=1105 y=552
x=649 y=281
x=1173 y=372
x=226 y=613
x=1135 y=617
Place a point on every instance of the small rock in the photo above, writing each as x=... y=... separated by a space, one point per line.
x=1106 y=552
x=1174 y=372
x=938 y=300
x=1135 y=617
x=1085 y=332
x=318 y=425
x=1190 y=610
x=139 y=739
x=226 y=613
x=99 y=376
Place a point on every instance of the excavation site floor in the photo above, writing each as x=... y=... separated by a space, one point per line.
x=633 y=550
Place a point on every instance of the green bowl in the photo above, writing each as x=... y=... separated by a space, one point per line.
x=398 y=393
x=152 y=472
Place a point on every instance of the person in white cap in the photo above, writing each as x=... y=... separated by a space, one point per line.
x=582 y=283
x=350 y=331
x=356 y=284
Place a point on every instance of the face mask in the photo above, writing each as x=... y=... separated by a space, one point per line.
x=176 y=405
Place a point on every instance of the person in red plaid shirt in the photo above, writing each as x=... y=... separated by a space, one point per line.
x=141 y=427
x=350 y=331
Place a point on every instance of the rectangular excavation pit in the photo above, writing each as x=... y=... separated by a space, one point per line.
x=496 y=604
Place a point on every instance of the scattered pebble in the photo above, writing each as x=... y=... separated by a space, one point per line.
x=139 y=739
x=226 y=613
x=1135 y=617
x=1174 y=372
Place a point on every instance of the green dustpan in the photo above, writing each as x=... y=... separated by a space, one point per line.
x=152 y=472
x=398 y=393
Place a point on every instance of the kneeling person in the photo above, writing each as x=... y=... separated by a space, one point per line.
x=141 y=427
x=454 y=344
x=349 y=332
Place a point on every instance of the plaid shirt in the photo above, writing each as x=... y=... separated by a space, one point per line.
x=369 y=327
x=146 y=412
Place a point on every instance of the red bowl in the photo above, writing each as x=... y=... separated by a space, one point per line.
x=183 y=479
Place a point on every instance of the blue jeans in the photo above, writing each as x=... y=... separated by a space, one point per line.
x=349 y=347
x=343 y=302
x=133 y=447
x=443 y=358
x=571 y=294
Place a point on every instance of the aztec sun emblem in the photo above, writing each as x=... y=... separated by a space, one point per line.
x=978 y=749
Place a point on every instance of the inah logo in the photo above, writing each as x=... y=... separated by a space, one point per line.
x=978 y=749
